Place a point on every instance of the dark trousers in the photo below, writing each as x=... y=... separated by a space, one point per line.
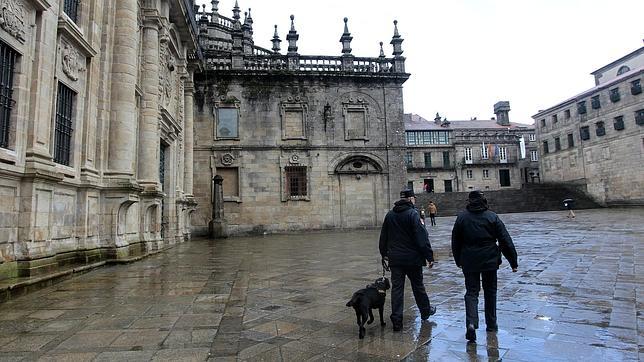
x=415 y=275
x=473 y=286
x=433 y=219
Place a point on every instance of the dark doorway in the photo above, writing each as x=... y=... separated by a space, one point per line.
x=504 y=177
x=428 y=185
x=448 y=185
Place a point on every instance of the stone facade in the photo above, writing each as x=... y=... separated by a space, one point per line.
x=451 y=156
x=595 y=139
x=96 y=93
x=301 y=142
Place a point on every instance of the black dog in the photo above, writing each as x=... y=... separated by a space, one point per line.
x=371 y=297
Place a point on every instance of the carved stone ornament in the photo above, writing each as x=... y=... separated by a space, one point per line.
x=12 y=18
x=73 y=63
x=165 y=75
x=294 y=158
x=227 y=159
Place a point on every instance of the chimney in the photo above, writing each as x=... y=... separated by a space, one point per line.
x=501 y=110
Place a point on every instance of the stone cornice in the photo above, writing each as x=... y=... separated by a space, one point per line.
x=40 y=5
x=73 y=34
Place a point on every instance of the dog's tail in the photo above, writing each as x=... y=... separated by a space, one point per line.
x=353 y=301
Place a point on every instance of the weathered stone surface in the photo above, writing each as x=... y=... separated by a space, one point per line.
x=282 y=297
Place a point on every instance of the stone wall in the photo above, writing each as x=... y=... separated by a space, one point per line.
x=106 y=201
x=352 y=178
x=608 y=162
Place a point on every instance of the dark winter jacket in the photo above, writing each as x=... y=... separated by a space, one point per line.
x=403 y=238
x=474 y=239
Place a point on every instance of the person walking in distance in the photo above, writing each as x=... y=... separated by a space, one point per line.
x=474 y=246
x=405 y=243
x=568 y=204
x=432 y=212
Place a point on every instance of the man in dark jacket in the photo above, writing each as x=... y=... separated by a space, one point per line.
x=474 y=246
x=404 y=241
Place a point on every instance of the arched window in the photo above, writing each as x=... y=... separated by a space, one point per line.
x=623 y=69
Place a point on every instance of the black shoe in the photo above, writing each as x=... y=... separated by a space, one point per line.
x=397 y=327
x=432 y=311
x=470 y=335
x=493 y=328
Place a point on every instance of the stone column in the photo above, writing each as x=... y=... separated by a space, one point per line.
x=122 y=136
x=188 y=135
x=149 y=124
x=218 y=227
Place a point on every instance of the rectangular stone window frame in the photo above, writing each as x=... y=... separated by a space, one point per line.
x=571 y=140
x=567 y=114
x=600 y=130
x=357 y=108
x=532 y=137
x=614 y=95
x=557 y=144
x=486 y=174
x=581 y=107
x=595 y=103
x=428 y=159
x=470 y=174
x=293 y=107
x=584 y=133
x=293 y=170
x=64 y=122
x=639 y=117
x=545 y=147
x=215 y=110
x=232 y=198
x=10 y=59
x=618 y=123
x=503 y=154
x=636 y=87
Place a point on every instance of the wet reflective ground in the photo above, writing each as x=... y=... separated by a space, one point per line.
x=578 y=295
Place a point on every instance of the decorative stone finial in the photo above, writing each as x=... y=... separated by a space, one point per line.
x=236 y=11
x=292 y=38
x=382 y=52
x=250 y=18
x=438 y=118
x=276 y=41
x=215 y=6
x=396 y=41
x=346 y=38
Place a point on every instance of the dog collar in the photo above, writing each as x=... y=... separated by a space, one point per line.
x=381 y=291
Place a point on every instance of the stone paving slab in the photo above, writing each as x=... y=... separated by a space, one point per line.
x=577 y=296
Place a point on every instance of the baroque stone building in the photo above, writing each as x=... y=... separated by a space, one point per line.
x=595 y=140
x=449 y=156
x=95 y=130
x=301 y=141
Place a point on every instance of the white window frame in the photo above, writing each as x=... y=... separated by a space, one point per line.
x=486 y=173
x=484 y=153
x=468 y=155
x=470 y=174
x=534 y=155
x=503 y=154
x=533 y=137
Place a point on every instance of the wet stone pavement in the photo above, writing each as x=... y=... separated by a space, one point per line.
x=578 y=295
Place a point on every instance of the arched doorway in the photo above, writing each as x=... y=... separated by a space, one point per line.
x=360 y=185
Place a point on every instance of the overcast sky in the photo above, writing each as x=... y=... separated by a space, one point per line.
x=465 y=55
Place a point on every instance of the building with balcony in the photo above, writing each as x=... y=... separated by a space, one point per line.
x=447 y=156
x=595 y=140
x=297 y=141
x=95 y=131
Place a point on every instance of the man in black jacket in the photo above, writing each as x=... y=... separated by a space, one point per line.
x=404 y=241
x=474 y=246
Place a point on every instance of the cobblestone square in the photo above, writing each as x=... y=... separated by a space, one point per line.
x=577 y=296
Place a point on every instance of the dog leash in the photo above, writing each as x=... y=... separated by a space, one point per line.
x=385 y=267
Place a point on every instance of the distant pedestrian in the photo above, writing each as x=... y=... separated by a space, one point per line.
x=405 y=243
x=432 y=212
x=474 y=246
x=568 y=204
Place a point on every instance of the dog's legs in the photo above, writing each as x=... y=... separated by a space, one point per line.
x=370 y=317
x=380 y=310
x=360 y=319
